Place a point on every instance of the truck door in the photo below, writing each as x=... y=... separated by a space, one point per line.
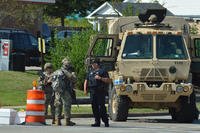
x=195 y=57
x=195 y=53
x=104 y=48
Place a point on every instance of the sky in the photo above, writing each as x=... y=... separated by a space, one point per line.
x=181 y=7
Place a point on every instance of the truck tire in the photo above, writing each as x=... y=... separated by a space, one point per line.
x=195 y=79
x=118 y=108
x=188 y=112
x=172 y=112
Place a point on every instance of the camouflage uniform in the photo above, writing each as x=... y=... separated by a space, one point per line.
x=45 y=85
x=62 y=80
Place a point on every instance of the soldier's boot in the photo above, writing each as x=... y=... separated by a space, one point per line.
x=69 y=123
x=58 y=122
x=53 y=120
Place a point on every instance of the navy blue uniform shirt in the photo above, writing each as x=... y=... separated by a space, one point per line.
x=95 y=83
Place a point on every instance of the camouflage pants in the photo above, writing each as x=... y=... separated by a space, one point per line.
x=63 y=100
x=49 y=100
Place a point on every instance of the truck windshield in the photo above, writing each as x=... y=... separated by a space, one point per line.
x=170 y=47
x=138 y=47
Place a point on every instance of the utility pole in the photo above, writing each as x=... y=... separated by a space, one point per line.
x=41 y=47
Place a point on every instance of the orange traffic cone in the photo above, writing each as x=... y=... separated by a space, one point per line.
x=35 y=106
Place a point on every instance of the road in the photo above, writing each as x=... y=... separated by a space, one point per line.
x=148 y=124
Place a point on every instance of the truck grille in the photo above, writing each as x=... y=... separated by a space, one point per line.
x=154 y=74
x=160 y=97
x=156 y=97
x=147 y=96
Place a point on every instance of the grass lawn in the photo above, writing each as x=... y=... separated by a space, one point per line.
x=88 y=109
x=14 y=85
x=82 y=109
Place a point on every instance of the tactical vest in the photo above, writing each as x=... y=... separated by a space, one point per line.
x=60 y=82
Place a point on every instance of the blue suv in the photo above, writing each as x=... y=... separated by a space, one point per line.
x=24 y=50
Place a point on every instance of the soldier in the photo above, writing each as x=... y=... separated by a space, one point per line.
x=97 y=80
x=62 y=85
x=45 y=85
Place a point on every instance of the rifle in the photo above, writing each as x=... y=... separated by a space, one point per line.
x=71 y=84
x=44 y=80
x=74 y=99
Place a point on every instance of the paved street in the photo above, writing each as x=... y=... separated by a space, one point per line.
x=150 y=124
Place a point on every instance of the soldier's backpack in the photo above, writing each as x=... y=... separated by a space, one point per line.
x=58 y=81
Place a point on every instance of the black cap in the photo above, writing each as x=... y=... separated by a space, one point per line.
x=95 y=61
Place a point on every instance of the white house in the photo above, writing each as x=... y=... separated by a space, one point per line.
x=112 y=10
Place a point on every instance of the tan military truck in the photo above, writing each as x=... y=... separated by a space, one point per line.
x=148 y=58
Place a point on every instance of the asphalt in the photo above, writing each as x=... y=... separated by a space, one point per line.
x=146 y=124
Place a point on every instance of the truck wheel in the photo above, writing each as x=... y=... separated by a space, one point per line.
x=172 y=112
x=195 y=80
x=188 y=112
x=118 y=108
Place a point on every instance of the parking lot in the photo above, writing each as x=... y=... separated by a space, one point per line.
x=148 y=124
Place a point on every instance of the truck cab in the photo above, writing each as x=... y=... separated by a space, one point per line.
x=149 y=65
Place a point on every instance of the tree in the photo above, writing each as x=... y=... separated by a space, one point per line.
x=75 y=48
x=138 y=1
x=94 y=4
x=62 y=8
x=130 y=11
x=155 y=1
x=15 y=14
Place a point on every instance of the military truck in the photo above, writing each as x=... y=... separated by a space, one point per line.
x=149 y=60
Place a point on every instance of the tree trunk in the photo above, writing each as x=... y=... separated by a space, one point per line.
x=62 y=21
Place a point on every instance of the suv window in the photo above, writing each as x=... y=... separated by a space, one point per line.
x=34 y=41
x=60 y=35
x=4 y=35
x=20 y=40
x=66 y=34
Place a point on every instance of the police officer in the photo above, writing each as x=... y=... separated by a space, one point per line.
x=45 y=85
x=97 y=80
x=62 y=80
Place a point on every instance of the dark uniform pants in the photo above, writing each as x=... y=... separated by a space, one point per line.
x=98 y=106
x=49 y=100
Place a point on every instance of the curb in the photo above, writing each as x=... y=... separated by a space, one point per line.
x=130 y=115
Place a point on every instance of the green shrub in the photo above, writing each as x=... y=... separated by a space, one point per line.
x=193 y=29
x=75 y=48
x=58 y=52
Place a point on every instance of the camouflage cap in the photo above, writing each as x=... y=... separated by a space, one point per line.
x=48 y=65
x=66 y=62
